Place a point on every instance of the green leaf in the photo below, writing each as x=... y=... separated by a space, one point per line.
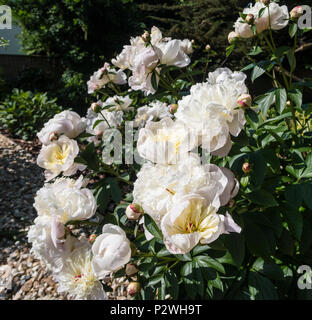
x=280 y=99
x=261 y=288
x=154 y=81
x=255 y=51
x=188 y=279
x=229 y=50
x=263 y=198
x=265 y=101
x=114 y=189
x=89 y=155
x=102 y=198
x=307 y=194
x=294 y=195
x=206 y=261
x=199 y=249
x=152 y=227
x=172 y=284
x=296 y=97
x=155 y=279
x=235 y=244
x=260 y=68
x=293 y=27
x=294 y=221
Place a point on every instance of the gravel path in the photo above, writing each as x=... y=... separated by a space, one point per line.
x=22 y=277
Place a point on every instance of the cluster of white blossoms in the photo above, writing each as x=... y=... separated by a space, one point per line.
x=264 y=15
x=147 y=53
x=77 y=266
x=105 y=75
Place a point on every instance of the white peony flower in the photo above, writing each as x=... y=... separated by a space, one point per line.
x=67 y=122
x=142 y=58
x=59 y=157
x=105 y=75
x=65 y=199
x=212 y=111
x=191 y=221
x=48 y=245
x=96 y=124
x=118 y=103
x=111 y=251
x=165 y=141
x=77 y=278
x=154 y=111
x=157 y=186
x=274 y=17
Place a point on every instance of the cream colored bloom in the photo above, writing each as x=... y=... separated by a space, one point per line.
x=67 y=122
x=48 y=245
x=97 y=125
x=211 y=110
x=111 y=251
x=274 y=17
x=118 y=103
x=105 y=75
x=59 y=157
x=156 y=110
x=157 y=186
x=77 y=278
x=65 y=199
x=165 y=141
x=191 y=221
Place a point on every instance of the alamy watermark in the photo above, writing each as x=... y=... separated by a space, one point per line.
x=5 y=17
x=305 y=281
x=305 y=21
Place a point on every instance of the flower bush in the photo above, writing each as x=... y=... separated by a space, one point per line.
x=194 y=190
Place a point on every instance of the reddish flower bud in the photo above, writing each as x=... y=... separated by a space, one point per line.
x=133 y=288
x=207 y=48
x=244 y=101
x=95 y=107
x=173 y=108
x=250 y=18
x=296 y=13
x=134 y=211
x=246 y=167
x=92 y=238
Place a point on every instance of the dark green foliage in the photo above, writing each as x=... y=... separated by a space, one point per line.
x=24 y=113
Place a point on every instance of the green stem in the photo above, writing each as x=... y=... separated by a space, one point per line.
x=105 y=119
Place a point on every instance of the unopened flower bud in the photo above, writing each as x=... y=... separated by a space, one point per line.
x=92 y=238
x=146 y=36
x=265 y=2
x=250 y=18
x=134 y=211
x=53 y=136
x=133 y=288
x=131 y=269
x=95 y=107
x=192 y=41
x=296 y=13
x=233 y=36
x=246 y=167
x=288 y=103
x=244 y=101
x=173 y=108
x=207 y=48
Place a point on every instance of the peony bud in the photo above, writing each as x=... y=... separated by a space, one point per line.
x=207 y=48
x=250 y=18
x=134 y=211
x=95 y=107
x=296 y=13
x=146 y=36
x=288 y=103
x=131 y=269
x=233 y=36
x=53 y=136
x=192 y=41
x=244 y=101
x=246 y=167
x=92 y=238
x=173 y=108
x=133 y=288
x=265 y=2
